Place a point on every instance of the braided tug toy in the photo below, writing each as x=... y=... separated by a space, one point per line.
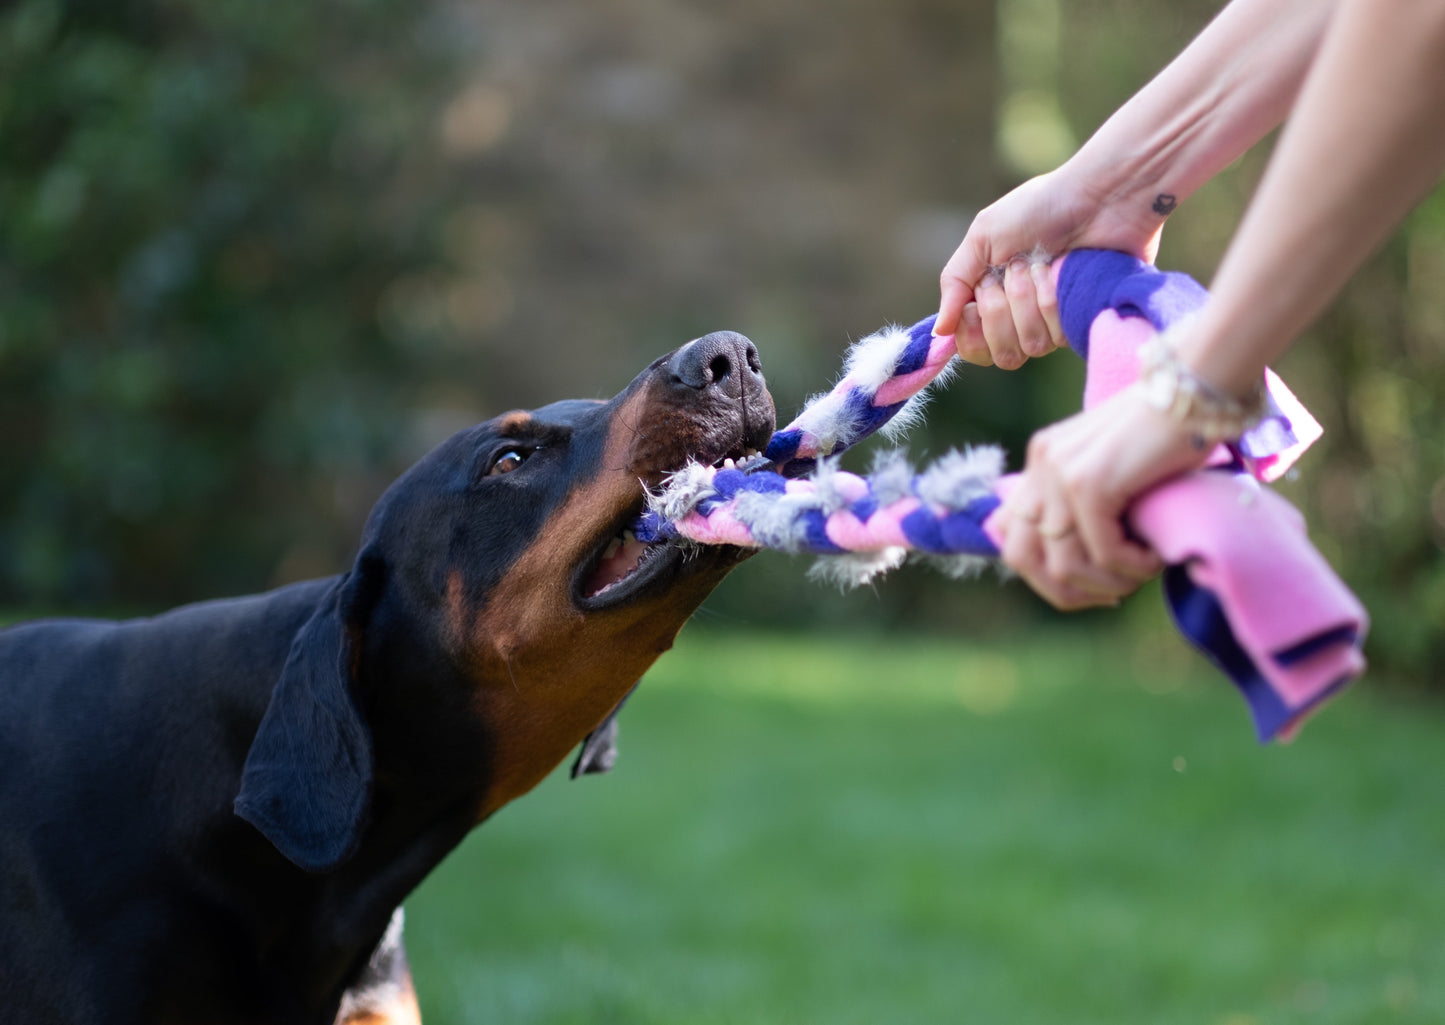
x=1243 y=583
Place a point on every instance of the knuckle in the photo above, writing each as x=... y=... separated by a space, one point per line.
x=1008 y=358
x=974 y=352
x=1036 y=344
x=1111 y=566
x=1040 y=446
x=1057 y=577
x=1074 y=480
x=990 y=297
x=1017 y=557
x=1061 y=594
x=1141 y=564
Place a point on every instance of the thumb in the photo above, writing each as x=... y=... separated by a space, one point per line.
x=964 y=270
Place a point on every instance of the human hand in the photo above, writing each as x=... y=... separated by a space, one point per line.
x=997 y=293
x=1062 y=528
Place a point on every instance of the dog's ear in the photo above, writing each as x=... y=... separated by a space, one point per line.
x=306 y=784
x=599 y=750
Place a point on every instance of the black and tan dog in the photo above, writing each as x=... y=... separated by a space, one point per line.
x=213 y=815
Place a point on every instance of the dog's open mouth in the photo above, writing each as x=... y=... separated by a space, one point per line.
x=623 y=558
x=624 y=565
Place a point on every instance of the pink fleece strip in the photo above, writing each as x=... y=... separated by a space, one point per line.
x=719 y=527
x=850 y=486
x=1248 y=546
x=884 y=529
x=900 y=389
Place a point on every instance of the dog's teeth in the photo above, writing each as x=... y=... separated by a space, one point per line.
x=628 y=537
x=612 y=547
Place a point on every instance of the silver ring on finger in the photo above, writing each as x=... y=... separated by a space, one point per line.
x=1056 y=533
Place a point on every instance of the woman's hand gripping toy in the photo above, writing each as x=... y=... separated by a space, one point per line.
x=1243 y=582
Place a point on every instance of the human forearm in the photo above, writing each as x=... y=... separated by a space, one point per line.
x=1232 y=85
x=1364 y=143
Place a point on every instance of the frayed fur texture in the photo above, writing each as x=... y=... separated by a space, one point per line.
x=682 y=492
x=773 y=519
x=869 y=364
x=855 y=569
x=958 y=478
x=827 y=418
x=871 y=360
x=826 y=486
x=891 y=477
x=911 y=415
x=953 y=481
x=959 y=567
x=1035 y=256
x=907 y=418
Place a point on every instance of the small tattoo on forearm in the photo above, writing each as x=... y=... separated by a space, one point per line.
x=1164 y=204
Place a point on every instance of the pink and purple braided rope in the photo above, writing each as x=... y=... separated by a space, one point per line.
x=1243 y=584
x=867 y=525
x=871 y=521
x=883 y=373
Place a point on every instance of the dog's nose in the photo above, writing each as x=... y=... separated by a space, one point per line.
x=723 y=360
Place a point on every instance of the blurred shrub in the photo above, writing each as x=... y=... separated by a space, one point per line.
x=1375 y=370
x=252 y=260
x=200 y=203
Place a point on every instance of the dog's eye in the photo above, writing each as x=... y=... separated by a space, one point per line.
x=506 y=461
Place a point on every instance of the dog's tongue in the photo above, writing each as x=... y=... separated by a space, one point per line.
x=618 y=562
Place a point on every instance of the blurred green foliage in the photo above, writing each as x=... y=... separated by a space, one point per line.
x=1375 y=367
x=253 y=260
x=193 y=228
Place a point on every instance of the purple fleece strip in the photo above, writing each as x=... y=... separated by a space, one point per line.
x=1094 y=280
x=1200 y=617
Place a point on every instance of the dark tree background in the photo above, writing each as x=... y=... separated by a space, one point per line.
x=256 y=258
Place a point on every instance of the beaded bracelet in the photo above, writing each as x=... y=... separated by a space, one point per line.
x=1210 y=413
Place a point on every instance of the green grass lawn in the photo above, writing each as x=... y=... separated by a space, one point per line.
x=1063 y=830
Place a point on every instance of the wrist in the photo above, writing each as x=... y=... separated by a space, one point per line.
x=1209 y=412
x=1128 y=203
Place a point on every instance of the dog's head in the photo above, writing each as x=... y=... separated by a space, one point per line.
x=500 y=601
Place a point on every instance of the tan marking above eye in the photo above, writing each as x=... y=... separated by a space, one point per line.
x=515 y=422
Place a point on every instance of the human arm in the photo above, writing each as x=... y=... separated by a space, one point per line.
x=1364 y=143
x=1229 y=87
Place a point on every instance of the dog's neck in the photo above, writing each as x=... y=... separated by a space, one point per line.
x=453 y=740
